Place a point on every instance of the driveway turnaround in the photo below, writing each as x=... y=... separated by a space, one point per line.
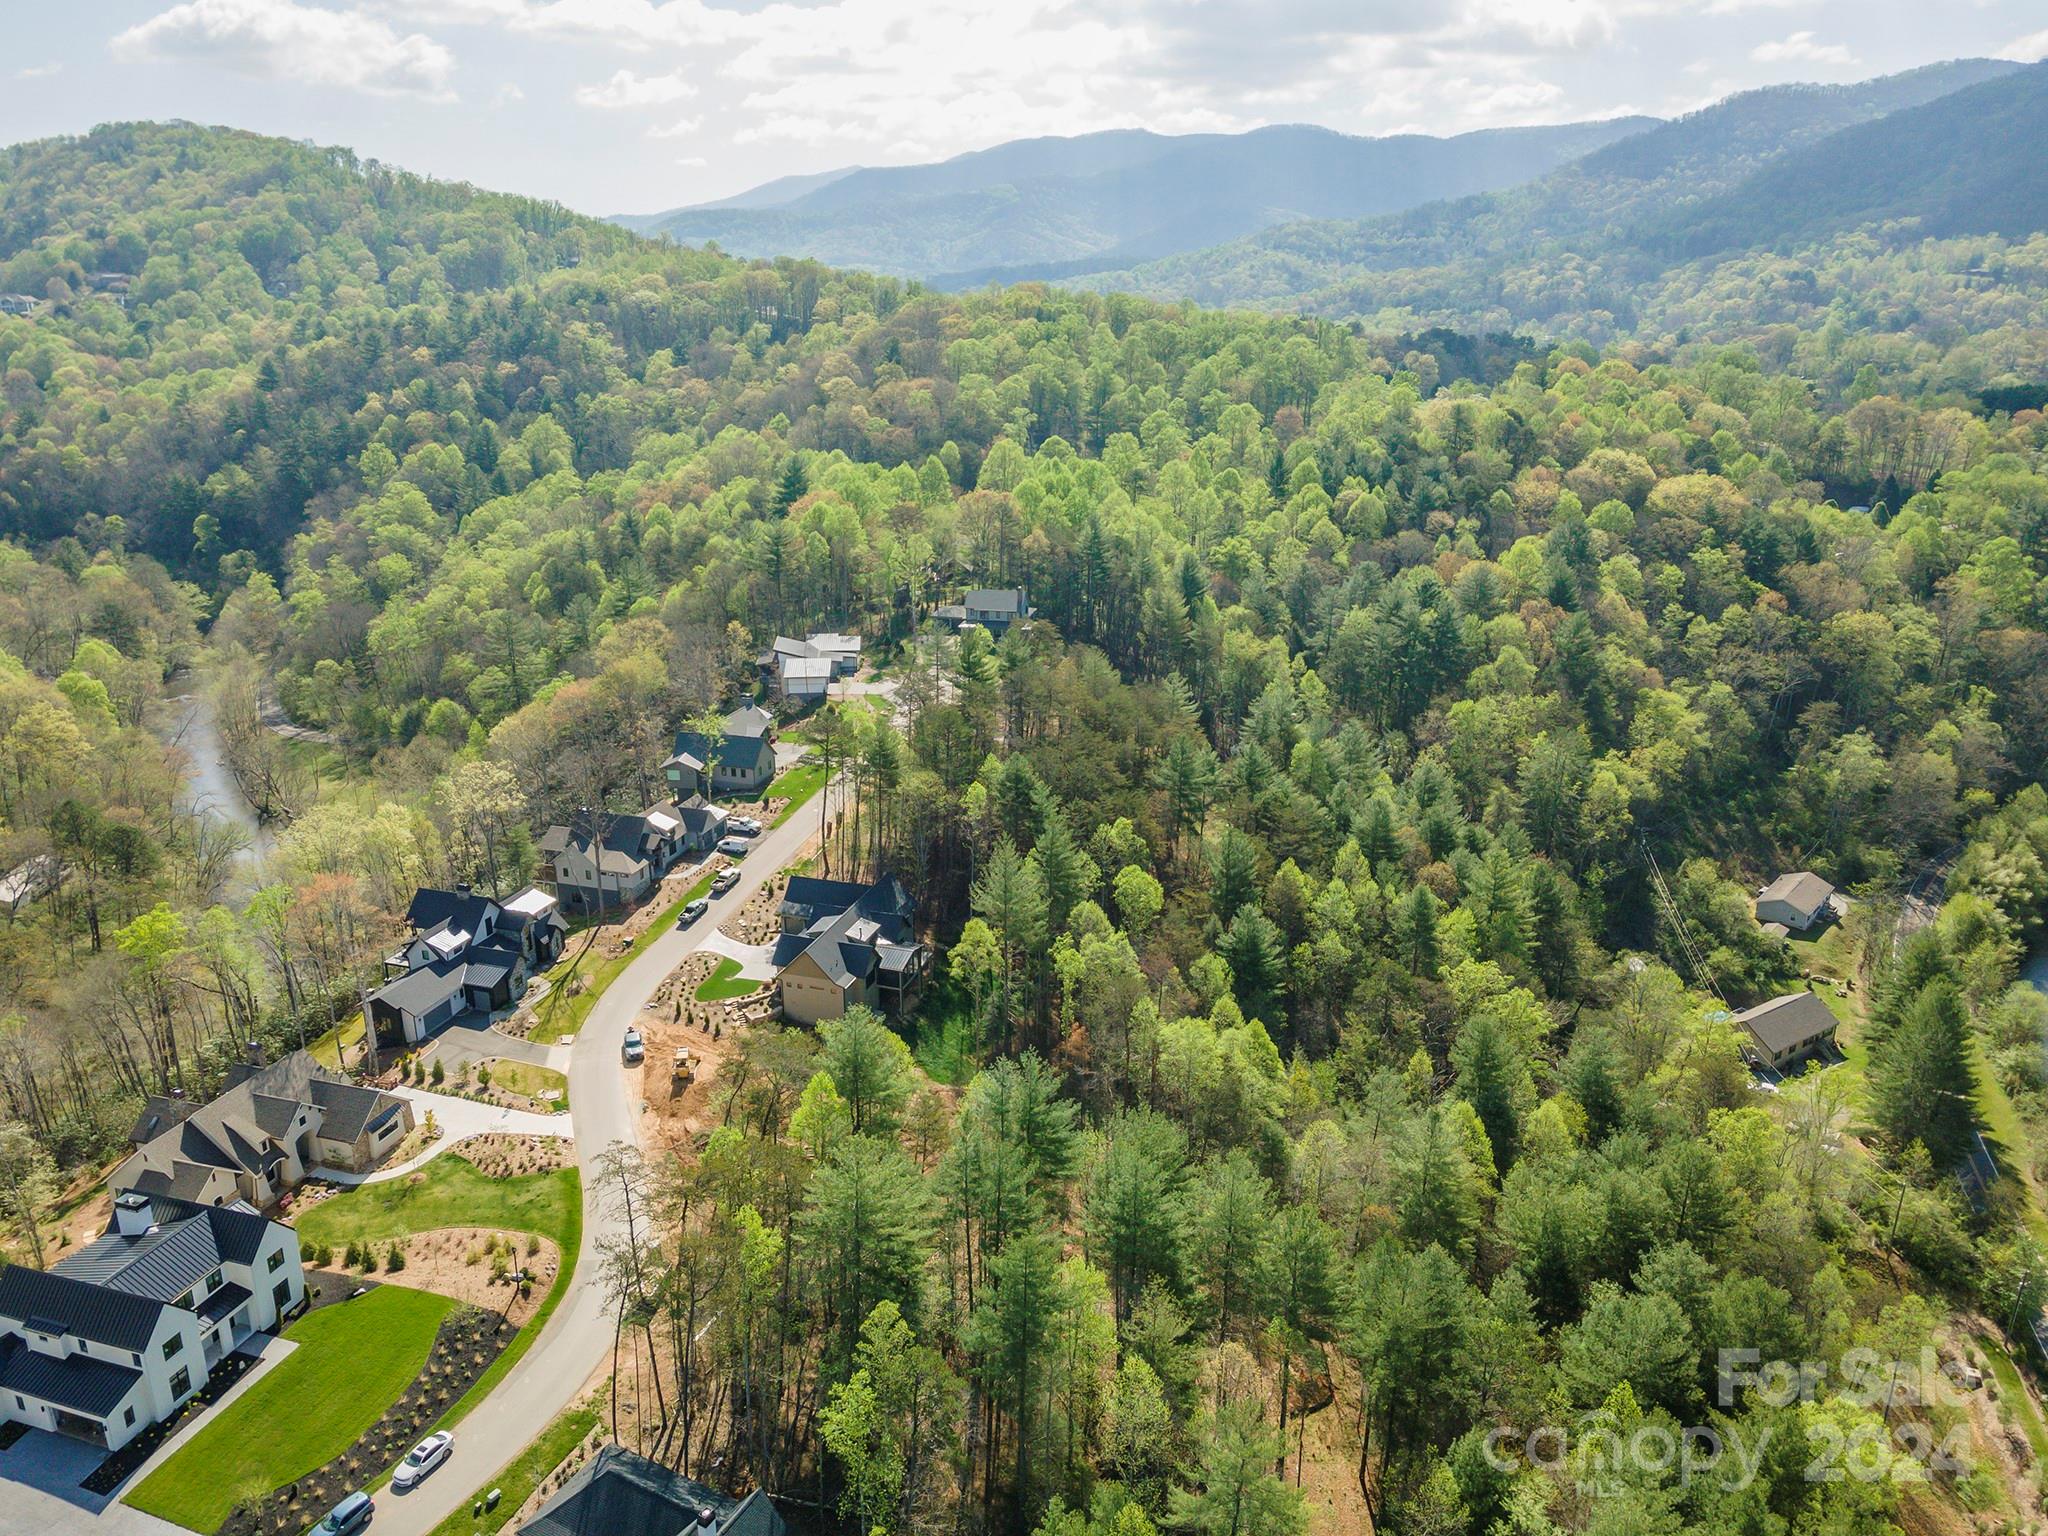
x=459 y=1120
x=578 y=1338
x=40 y=1496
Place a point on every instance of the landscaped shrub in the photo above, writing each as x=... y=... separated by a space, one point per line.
x=439 y=1073
x=394 y=1258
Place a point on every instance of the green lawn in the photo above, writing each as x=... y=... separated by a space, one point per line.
x=942 y=1033
x=524 y=1077
x=800 y=784
x=517 y=1480
x=353 y=1361
x=345 y=1040
x=2012 y=1395
x=561 y=1014
x=725 y=982
x=449 y=1191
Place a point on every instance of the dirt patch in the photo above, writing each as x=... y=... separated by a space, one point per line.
x=479 y=1265
x=759 y=919
x=681 y=1108
x=504 y=1154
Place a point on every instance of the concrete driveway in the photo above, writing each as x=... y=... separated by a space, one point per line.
x=40 y=1496
x=459 y=1120
x=757 y=961
x=469 y=1039
x=578 y=1338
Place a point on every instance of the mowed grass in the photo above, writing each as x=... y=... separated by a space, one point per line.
x=449 y=1191
x=533 y=1081
x=517 y=1480
x=725 y=982
x=353 y=1361
x=561 y=1014
x=801 y=783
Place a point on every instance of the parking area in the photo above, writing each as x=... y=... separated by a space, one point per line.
x=52 y=1465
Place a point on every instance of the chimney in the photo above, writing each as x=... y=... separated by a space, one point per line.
x=131 y=1214
x=253 y=1053
x=462 y=887
x=707 y=1519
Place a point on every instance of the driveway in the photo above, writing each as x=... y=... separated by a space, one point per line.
x=578 y=1338
x=757 y=961
x=468 y=1039
x=459 y=1120
x=40 y=1496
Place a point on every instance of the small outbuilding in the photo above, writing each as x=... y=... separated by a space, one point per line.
x=1798 y=900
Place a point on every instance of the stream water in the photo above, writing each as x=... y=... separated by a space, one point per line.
x=210 y=789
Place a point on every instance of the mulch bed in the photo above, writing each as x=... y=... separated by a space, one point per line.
x=119 y=1467
x=468 y=1341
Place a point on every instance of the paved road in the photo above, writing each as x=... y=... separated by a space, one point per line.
x=578 y=1337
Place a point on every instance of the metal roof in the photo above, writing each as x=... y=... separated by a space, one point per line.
x=79 y=1383
x=86 y=1311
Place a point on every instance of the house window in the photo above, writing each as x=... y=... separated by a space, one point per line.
x=213 y=1282
x=282 y=1294
x=182 y=1382
x=134 y=1359
x=172 y=1345
x=276 y=1259
x=128 y=1417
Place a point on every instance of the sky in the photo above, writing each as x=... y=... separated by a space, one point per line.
x=633 y=106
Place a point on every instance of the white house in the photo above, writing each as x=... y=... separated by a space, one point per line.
x=1797 y=900
x=120 y=1333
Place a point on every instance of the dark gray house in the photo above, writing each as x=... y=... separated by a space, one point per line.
x=466 y=952
x=618 y=1493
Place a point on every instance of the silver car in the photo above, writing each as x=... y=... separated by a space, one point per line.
x=425 y=1457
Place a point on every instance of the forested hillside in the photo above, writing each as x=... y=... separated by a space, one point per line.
x=1773 y=217
x=1343 y=888
x=1060 y=207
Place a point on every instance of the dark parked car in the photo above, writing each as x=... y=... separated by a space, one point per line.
x=691 y=912
x=347 y=1517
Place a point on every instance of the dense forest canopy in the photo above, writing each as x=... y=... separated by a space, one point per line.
x=1343 y=887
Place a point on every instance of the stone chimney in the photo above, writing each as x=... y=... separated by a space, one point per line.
x=132 y=1215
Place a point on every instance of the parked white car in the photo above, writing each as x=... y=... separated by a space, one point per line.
x=743 y=826
x=425 y=1457
x=733 y=847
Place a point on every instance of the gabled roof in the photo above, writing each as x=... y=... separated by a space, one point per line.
x=64 y=1304
x=1785 y=1023
x=183 y=1244
x=997 y=600
x=459 y=909
x=623 y=835
x=345 y=1108
x=749 y=720
x=424 y=987
x=1802 y=888
x=531 y=902
x=159 y=1113
x=740 y=753
x=80 y=1383
x=617 y=1493
x=802 y=668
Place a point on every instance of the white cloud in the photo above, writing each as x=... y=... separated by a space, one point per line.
x=1800 y=48
x=681 y=128
x=692 y=160
x=627 y=89
x=2030 y=49
x=285 y=40
x=508 y=94
x=37 y=71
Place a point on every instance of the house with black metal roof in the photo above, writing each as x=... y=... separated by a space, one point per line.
x=618 y=1493
x=117 y=1335
x=466 y=952
x=272 y=1125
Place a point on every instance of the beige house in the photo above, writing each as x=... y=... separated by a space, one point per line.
x=265 y=1132
x=847 y=945
x=1789 y=1029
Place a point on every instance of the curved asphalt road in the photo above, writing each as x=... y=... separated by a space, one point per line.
x=579 y=1335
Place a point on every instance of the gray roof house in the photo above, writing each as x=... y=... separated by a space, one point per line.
x=117 y=1335
x=1788 y=1029
x=1797 y=900
x=845 y=945
x=605 y=860
x=733 y=762
x=466 y=952
x=271 y=1126
x=618 y=1493
x=994 y=608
